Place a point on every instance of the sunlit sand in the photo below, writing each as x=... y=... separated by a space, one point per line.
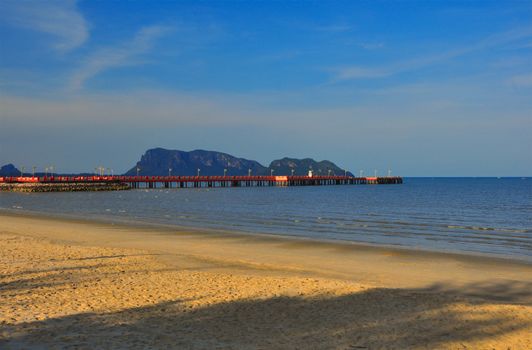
x=83 y=285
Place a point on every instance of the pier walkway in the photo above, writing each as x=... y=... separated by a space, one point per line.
x=210 y=181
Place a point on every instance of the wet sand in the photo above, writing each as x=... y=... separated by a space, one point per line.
x=73 y=284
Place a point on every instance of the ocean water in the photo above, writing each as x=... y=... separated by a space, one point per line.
x=469 y=215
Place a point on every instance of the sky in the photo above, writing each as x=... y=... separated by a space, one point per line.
x=424 y=88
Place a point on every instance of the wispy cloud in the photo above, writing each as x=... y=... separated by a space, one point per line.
x=339 y=26
x=524 y=80
x=351 y=73
x=119 y=56
x=133 y=107
x=357 y=72
x=372 y=46
x=58 y=18
x=280 y=56
x=334 y=28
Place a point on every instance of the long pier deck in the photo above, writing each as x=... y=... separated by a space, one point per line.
x=210 y=181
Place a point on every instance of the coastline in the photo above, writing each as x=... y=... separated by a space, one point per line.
x=368 y=297
x=342 y=244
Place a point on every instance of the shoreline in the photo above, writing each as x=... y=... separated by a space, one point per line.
x=158 y=238
x=68 y=283
x=177 y=229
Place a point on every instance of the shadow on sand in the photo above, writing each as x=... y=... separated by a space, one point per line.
x=433 y=317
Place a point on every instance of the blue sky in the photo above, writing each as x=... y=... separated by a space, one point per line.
x=428 y=88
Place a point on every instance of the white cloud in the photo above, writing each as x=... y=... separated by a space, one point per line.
x=357 y=72
x=112 y=57
x=58 y=18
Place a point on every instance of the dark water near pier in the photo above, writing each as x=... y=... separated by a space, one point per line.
x=474 y=215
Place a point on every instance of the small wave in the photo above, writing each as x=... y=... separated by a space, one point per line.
x=481 y=228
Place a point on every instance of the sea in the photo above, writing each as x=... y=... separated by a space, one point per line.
x=480 y=216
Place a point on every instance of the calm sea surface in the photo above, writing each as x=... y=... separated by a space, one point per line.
x=480 y=215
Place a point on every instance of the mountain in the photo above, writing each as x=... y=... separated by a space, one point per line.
x=9 y=170
x=158 y=161
x=302 y=166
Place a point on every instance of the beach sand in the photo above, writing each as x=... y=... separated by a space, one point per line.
x=80 y=285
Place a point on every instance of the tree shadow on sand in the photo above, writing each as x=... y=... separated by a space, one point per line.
x=23 y=281
x=433 y=317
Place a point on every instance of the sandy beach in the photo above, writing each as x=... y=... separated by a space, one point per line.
x=73 y=284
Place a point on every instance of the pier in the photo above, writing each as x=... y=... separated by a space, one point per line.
x=208 y=181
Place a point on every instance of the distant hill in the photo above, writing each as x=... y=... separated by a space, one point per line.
x=9 y=170
x=158 y=161
x=302 y=166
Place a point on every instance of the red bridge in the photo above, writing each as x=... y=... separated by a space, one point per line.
x=210 y=181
